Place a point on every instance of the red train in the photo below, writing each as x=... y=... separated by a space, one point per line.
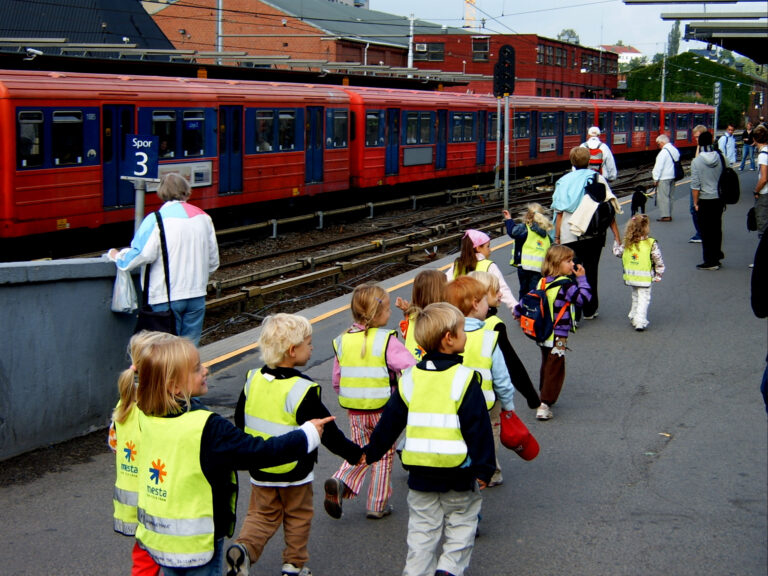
x=242 y=143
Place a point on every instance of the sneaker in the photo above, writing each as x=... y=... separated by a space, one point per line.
x=705 y=266
x=374 y=515
x=334 y=493
x=292 y=570
x=543 y=412
x=238 y=562
x=595 y=315
x=694 y=240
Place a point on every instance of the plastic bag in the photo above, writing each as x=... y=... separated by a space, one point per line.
x=124 y=299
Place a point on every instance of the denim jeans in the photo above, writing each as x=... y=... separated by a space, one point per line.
x=213 y=568
x=747 y=152
x=189 y=314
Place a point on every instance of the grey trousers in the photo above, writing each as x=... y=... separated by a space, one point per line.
x=664 y=197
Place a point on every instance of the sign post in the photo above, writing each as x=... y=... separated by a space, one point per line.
x=504 y=85
x=716 y=98
x=139 y=166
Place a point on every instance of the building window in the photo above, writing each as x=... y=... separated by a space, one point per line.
x=480 y=49
x=29 y=139
x=562 y=58
x=429 y=52
x=540 y=54
x=550 y=55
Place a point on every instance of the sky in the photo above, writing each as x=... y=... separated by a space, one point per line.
x=595 y=21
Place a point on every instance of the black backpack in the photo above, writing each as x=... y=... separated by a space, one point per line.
x=728 y=186
x=679 y=172
x=535 y=318
x=604 y=213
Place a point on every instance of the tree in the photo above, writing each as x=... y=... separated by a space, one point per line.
x=568 y=35
x=673 y=40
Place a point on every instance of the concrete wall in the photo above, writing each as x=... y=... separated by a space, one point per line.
x=61 y=351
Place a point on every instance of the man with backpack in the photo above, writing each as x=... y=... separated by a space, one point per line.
x=664 y=176
x=600 y=156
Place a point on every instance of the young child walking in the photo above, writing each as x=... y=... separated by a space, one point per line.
x=428 y=288
x=483 y=353
x=278 y=398
x=643 y=265
x=367 y=363
x=125 y=441
x=533 y=237
x=187 y=486
x=475 y=255
x=566 y=286
x=448 y=446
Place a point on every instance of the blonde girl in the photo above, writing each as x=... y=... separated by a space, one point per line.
x=533 y=237
x=570 y=289
x=368 y=360
x=188 y=457
x=643 y=265
x=475 y=255
x=428 y=288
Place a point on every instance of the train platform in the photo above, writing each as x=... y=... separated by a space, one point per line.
x=655 y=463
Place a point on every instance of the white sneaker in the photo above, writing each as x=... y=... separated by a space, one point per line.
x=292 y=570
x=543 y=412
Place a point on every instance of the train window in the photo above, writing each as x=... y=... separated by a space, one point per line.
x=699 y=119
x=639 y=122
x=573 y=123
x=286 y=129
x=67 y=137
x=193 y=133
x=164 y=127
x=29 y=139
x=265 y=130
x=548 y=124
x=668 y=127
x=418 y=127
x=602 y=120
x=620 y=122
x=493 y=126
x=462 y=124
x=522 y=125
x=683 y=121
x=654 y=122
x=374 y=128
x=337 y=128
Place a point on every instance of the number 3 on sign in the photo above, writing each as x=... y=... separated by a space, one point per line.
x=141 y=157
x=141 y=168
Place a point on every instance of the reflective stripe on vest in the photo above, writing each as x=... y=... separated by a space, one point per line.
x=478 y=355
x=481 y=266
x=125 y=495
x=270 y=408
x=433 y=431
x=410 y=339
x=175 y=507
x=364 y=383
x=534 y=250
x=638 y=266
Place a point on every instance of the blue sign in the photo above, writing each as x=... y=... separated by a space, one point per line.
x=140 y=156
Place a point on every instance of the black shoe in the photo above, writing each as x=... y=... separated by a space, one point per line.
x=705 y=266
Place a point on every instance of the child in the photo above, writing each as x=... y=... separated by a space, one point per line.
x=187 y=485
x=558 y=266
x=475 y=255
x=443 y=475
x=276 y=398
x=428 y=287
x=124 y=434
x=482 y=352
x=533 y=237
x=643 y=265
x=368 y=360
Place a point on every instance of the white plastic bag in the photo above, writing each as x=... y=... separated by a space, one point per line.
x=124 y=298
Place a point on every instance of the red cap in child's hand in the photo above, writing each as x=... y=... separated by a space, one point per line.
x=516 y=436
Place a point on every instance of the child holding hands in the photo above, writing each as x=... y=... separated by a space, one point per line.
x=533 y=237
x=278 y=398
x=643 y=265
x=448 y=446
x=428 y=288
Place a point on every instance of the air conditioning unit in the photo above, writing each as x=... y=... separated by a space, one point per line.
x=421 y=47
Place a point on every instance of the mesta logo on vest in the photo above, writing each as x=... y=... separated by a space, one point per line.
x=157 y=474
x=130 y=456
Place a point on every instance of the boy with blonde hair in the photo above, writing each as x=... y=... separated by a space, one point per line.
x=278 y=398
x=448 y=445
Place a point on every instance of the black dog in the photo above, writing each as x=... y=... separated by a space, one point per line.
x=639 y=197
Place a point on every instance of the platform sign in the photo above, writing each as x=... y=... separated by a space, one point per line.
x=140 y=157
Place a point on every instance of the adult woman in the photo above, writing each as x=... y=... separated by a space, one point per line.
x=569 y=192
x=705 y=174
x=761 y=188
x=193 y=255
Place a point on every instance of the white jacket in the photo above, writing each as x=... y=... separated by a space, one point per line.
x=664 y=169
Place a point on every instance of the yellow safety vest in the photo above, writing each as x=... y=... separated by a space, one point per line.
x=638 y=266
x=491 y=322
x=551 y=296
x=534 y=250
x=433 y=432
x=364 y=383
x=270 y=408
x=125 y=496
x=175 y=505
x=478 y=355
x=481 y=266
x=410 y=339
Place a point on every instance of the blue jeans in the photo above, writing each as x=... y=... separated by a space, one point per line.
x=748 y=151
x=214 y=568
x=694 y=217
x=189 y=314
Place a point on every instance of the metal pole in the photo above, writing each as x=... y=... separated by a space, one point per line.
x=219 y=35
x=663 y=75
x=498 y=143
x=506 y=151
x=140 y=188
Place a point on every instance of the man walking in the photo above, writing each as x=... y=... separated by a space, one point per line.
x=600 y=156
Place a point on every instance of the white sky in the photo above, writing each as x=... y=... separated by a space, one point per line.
x=595 y=21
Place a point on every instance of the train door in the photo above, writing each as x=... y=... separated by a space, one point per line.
x=392 y=163
x=230 y=149
x=314 y=137
x=117 y=120
x=533 y=147
x=441 y=148
x=482 y=136
x=560 y=132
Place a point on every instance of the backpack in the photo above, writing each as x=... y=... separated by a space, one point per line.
x=679 y=172
x=728 y=186
x=535 y=317
x=604 y=213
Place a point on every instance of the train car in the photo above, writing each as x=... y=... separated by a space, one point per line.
x=242 y=143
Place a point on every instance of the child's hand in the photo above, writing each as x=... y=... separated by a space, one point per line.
x=402 y=304
x=363 y=461
x=482 y=485
x=506 y=214
x=318 y=423
x=578 y=270
x=657 y=278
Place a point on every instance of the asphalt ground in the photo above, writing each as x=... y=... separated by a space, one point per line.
x=655 y=462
